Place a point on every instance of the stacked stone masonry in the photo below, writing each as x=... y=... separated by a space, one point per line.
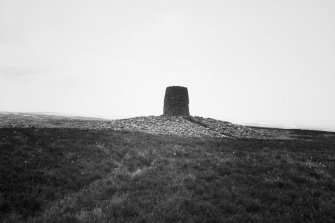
x=176 y=102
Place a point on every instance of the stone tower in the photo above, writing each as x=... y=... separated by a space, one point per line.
x=176 y=101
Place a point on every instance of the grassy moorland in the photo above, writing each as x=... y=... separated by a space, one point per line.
x=73 y=175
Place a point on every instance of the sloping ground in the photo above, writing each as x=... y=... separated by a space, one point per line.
x=162 y=169
x=180 y=126
x=89 y=175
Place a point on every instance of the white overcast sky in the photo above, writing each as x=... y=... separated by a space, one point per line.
x=245 y=61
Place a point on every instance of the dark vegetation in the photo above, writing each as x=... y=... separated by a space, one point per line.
x=72 y=175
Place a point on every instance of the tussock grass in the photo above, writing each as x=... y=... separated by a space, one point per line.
x=72 y=175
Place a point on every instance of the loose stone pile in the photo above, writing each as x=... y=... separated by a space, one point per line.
x=164 y=125
x=230 y=129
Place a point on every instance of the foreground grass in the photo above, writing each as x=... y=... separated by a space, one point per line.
x=71 y=175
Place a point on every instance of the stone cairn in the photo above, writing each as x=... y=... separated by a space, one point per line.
x=176 y=101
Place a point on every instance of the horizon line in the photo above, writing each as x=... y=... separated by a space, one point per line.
x=250 y=124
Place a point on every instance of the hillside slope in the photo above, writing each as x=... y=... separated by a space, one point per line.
x=88 y=173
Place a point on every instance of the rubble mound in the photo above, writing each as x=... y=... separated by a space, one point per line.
x=185 y=126
x=165 y=125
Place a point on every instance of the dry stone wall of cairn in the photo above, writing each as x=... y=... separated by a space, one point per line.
x=176 y=101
